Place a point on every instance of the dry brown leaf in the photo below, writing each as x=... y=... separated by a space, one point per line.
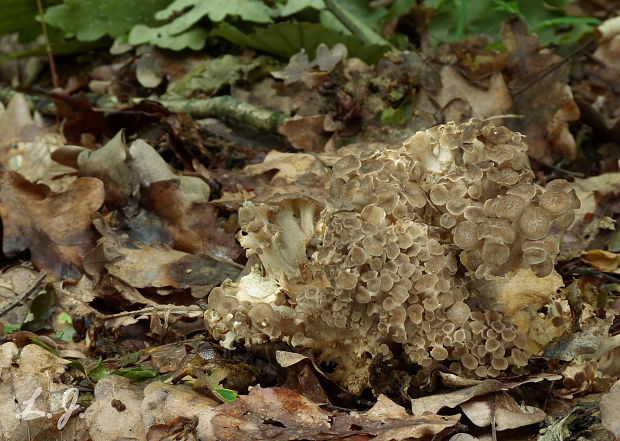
x=164 y=403
x=160 y=267
x=16 y=122
x=13 y=282
x=157 y=266
x=433 y=403
x=610 y=409
x=508 y=413
x=602 y=260
x=280 y=414
x=111 y=164
x=306 y=134
x=598 y=195
x=479 y=103
x=104 y=417
x=294 y=172
x=55 y=227
x=541 y=95
x=22 y=374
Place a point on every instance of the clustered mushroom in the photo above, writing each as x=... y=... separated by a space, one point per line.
x=410 y=250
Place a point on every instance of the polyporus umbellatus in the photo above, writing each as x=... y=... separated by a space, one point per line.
x=442 y=246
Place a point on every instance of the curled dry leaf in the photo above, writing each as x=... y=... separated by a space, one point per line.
x=306 y=134
x=460 y=100
x=55 y=227
x=541 y=95
x=22 y=374
x=106 y=421
x=163 y=403
x=281 y=414
x=602 y=260
x=508 y=413
x=294 y=172
x=16 y=122
x=433 y=403
x=157 y=266
x=610 y=409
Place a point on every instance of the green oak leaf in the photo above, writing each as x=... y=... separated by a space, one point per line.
x=89 y=20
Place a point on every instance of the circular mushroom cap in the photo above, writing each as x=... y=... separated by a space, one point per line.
x=439 y=353
x=555 y=202
x=346 y=165
x=524 y=190
x=346 y=280
x=447 y=220
x=519 y=357
x=420 y=142
x=469 y=361
x=495 y=253
x=509 y=206
x=465 y=235
x=373 y=214
x=564 y=220
x=534 y=256
x=534 y=223
x=543 y=269
x=497 y=135
x=475 y=214
x=264 y=317
x=559 y=185
x=458 y=313
x=439 y=195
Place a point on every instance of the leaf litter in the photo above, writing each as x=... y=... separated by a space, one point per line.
x=130 y=230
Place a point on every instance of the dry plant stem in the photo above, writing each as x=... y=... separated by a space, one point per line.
x=551 y=68
x=168 y=309
x=224 y=107
x=493 y=428
x=48 y=46
x=25 y=295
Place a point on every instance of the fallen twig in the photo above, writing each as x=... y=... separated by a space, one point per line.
x=169 y=309
x=225 y=107
x=24 y=296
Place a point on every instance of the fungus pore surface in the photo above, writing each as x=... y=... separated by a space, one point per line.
x=407 y=256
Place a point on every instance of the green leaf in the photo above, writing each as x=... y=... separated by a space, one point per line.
x=211 y=75
x=354 y=16
x=63 y=327
x=38 y=342
x=8 y=328
x=287 y=38
x=398 y=116
x=180 y=33
x=135 y=373
x=98 y=371
x=94 y=374
x=457 y=19
x=163 y=37
x=294 y=6
x=89 y=20
x=41 y=310
x=227 y=395
x=20 y=16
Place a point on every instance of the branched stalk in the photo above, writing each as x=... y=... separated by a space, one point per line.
x=48 y=46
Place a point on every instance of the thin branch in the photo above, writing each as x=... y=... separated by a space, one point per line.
x=170 y=309
x=552 y=68
x=48 y=46
x=24 y=296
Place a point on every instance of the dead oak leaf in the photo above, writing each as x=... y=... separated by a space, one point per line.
x=281 y=414
x=55 y=227
x=461 y=100
x=503 y=409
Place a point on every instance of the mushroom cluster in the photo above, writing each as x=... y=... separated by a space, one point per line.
x=409 y=253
